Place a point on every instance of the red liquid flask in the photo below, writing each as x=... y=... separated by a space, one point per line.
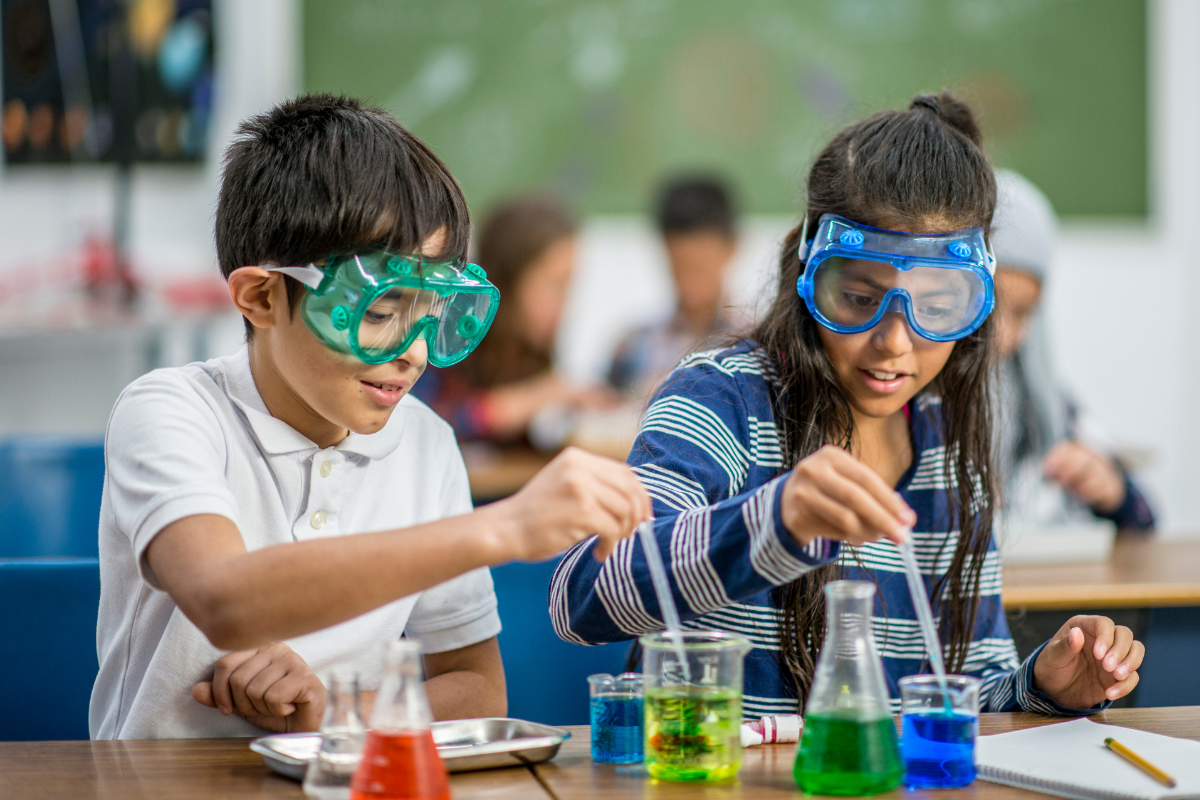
x=400 y=765
x=400 y=760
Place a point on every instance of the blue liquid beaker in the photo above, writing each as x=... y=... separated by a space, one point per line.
x=617 y=717
x=938 y=739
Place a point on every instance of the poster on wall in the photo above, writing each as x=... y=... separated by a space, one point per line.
x=106 y=80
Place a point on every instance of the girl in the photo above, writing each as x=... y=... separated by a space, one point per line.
x=856 y=413
x=527 y=245
x=1054 y=475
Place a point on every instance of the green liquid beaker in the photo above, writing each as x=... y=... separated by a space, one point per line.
x=849 y=746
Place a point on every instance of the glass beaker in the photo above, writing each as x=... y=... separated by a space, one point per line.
x=399 y=758
x=693 y=708
x=849 y=743
x=616 y=716
x=328 y=775
x=938 y=743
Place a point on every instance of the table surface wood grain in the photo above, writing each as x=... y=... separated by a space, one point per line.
x=1141 y=573
x=226 y=768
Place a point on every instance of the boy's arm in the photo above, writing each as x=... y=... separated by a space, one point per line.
x=467 y=682
x=243 y=599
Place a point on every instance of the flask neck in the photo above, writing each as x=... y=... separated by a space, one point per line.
x=341 y=709
x=401 y=704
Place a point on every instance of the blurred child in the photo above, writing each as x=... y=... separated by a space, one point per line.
x=528 y=247
x=855 y=416
x=696 y=218
x=292 y=503
x=1051 y=476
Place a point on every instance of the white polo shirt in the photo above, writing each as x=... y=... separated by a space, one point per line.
x=199 y=440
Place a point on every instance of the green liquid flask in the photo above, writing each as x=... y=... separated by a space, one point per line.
x=849 y=746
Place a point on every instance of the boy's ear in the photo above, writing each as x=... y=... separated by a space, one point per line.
x=259 y=295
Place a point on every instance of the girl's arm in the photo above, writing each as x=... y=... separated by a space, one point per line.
x=726 y=521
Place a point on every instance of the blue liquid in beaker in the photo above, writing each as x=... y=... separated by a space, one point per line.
x=938 y=748
x=616 y=729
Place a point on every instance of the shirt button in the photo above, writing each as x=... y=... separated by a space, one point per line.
x=326 y=468
x=317 y=520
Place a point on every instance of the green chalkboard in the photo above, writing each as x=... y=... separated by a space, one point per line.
x=601 y=99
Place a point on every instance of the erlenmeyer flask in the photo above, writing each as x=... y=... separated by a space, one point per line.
x=328 y=776
x=849 y=746
x=399 y=758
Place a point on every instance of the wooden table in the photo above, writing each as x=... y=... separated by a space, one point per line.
x=1142 y=573
x=226 y=768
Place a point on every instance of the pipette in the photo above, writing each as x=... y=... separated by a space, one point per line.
x=920 y=600
x=662 y=590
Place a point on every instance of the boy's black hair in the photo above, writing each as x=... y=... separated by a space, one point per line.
x=322 y=174
x=694 y=203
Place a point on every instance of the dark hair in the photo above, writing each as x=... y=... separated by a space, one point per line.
x=322 y=174
x=513 y=237
x=907 y=170
x=693 y=203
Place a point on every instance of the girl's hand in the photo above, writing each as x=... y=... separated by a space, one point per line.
x=1089 y=660
x=1090 y=478
x=574 y=497
x=271 y=687
x=833 y=495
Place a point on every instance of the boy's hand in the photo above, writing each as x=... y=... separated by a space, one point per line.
x=1091 y=478
x=575 y=496
x=271 y=687
x=1088 y=661
x=833 y=495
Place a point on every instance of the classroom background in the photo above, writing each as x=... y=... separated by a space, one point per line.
x=1096 y=102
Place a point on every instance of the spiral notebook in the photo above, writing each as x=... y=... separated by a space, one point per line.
x=1069 y=759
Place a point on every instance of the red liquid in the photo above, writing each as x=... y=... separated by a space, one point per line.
x=400 y=766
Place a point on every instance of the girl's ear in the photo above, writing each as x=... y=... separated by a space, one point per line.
x=259 y=295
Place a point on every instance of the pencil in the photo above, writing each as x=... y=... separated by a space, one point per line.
x=1139 y=762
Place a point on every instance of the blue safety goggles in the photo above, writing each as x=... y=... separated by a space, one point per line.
x=854 y=274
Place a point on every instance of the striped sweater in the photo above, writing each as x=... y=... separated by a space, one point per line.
x=708 y=452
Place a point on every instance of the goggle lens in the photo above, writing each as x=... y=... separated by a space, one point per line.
x=849 y=293
x=390 y=318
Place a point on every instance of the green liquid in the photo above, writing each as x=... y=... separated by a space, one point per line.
x=692 y=733
x=841 y=753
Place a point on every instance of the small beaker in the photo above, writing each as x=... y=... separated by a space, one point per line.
x=938 y=742
x=616 y=714
x=849 y=742
x=399 y=758
x=328 y=775
x=694 y=706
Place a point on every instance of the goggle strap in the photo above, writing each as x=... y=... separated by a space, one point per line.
x=804 y=243
x=311 y=275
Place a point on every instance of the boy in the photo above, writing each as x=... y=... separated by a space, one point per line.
x=696 y=218
x=232 y=486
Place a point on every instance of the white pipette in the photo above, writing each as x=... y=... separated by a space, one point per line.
x=662 y=590
x=916 y=587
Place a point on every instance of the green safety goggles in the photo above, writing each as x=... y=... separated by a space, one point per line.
x=375 y=304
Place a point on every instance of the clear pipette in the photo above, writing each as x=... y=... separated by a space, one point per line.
x=920 y=600
x=662 y=590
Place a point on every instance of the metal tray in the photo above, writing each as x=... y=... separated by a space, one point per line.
x=463 y=744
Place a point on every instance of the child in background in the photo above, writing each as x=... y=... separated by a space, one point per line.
x=854 y=417
x=291 y=503
x=1052 y=476
x=698 y=224
x=528 y=247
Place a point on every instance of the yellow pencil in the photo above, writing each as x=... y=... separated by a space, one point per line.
x=1139 y=762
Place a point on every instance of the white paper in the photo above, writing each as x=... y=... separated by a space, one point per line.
x=1072 y=755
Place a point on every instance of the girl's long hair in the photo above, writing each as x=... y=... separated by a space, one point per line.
x=900 y=170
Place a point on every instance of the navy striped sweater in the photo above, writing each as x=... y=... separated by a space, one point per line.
x=708 y=452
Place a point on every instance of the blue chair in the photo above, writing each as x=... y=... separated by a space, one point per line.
x=547 y=677
x=50 y=496
x=47 y=646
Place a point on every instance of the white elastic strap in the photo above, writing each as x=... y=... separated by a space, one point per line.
x=803 y=249
x=311 y=276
